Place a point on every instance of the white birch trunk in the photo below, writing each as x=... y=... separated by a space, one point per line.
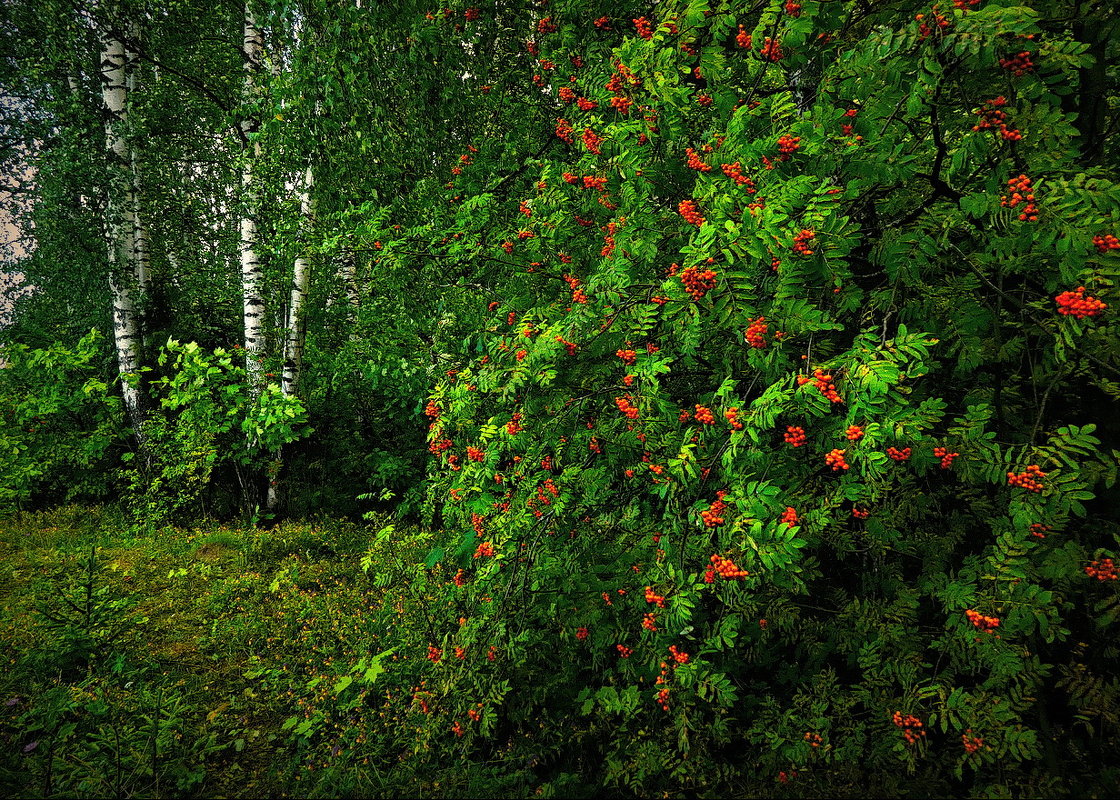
x=295 y=330
x=121 y=231
x=251 y=273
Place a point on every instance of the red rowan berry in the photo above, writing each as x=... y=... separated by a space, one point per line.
x=854 y=433
x=690 y=212
x=899 y=455
x=1105 y=242
x=945 y=456
x=756 y=333
x=794 y=436
x=743 y=39
x=1102 y=570
x=1029 y=479
x=704 y=415
x=1076 y=304
x=732 y=415
x=835 y=459
x=789 y=517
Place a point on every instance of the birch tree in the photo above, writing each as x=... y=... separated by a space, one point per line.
x=252 y=276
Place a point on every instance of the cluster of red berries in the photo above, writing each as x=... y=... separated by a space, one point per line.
x=756 y=333
x=523 y=235
x=460 y=578
x=432 y=410
x=727 y=569
x=1020 y=192
x=570 y=347
x=711 y=515
x=434 y=653
x=643 y=28
x=992 y=118
x=623 y=650
x=690 y=212
x=912 y=727
x=698 y=282
x=823 y=383
x=971 y=743
x=899 y=455
x=732 y=415
x=649 y=622
x=566 y=94
x=981 y=622
x=793 y=9
x=743 y=39
x=621 y=104
x=484 y=549
x=440 y=446
x=1028 y=479
x=654 y=597
x=582 y=633
x=771 y=49
x=704 y=415
x=735 y=172
x=565 y=131
x=925 y=30
x=1105 y=242
x=835 y=459
x=814 y=739
x=1103 y=570
x=629 y=357
x=471 y=14
x=695 y=162
x=578 y=294
x=847 y=127
x=592 y=141
x=801 y=242
x=1076 y=304
x=854 y=433
x=474 y=454
x=679 y=656
x=794 y=436
x=608 y=238
x=546 y=25
x=585 y=104
x=603 y=23
x=625 y=407
x=945 y=456
x=861 y=513
x=965 y=5
x=704 y=100
x=789 y=517
x=514 y=427
x=787 y=146
x=1019 y=64
x=1038 y=530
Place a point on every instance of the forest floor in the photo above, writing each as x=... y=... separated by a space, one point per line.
x=172 y=663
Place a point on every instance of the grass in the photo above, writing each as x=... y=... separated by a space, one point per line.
x=169 y=665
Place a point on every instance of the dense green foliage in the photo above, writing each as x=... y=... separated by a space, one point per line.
x=767 y=354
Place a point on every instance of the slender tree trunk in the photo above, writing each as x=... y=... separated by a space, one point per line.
x=295 y=328
x=251 y=273
x=121 y=231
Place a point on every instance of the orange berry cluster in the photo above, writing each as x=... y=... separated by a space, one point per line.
x=704 y=415
x=581 y=633
x=801 y=242
x=649 y=622
x=1105 y=242
x=771 y=50
x=546 y=25
x=992 y=118
x=565 y=131
x=679 y=656
x=743 y=39
x=629 y=357
x=1019 y=64
x=861 y=513
x=735 y=172
x=854 y=433
x=484 y=549
x=514 y=427
x=690 y=212
x=756 y=333
x=578 y=294
x=603 y=23
x=1103 y=570
x=945 y=456
x=592 y=141
x=940 y=23
x=835 y=459
x=1020 y=192
x=586 y=105
x=569 y=346
x=474 y=454
x=794 y=436
x=663 y=697
x=732 y=415
x=704 y=100
x=899 y=455
x=982 y=622
x=793 y=9
x=814 y=739
x=460 y=578
x=566 y=94
x=434 y=653
x=625 y=407
x=727 y=569
x=1038 y=530
x=965 y=5
x=471 y=14
x=912 y=728
x=643 y=28
x=654 y=597
x=698 y=282
x=789 y=517
x=823 y=383
x=787 y=146
x=1076 y=304
x=711 y=515
x=1028 y=479
x=695 y=162
x=622 y=104
x=971 y=743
